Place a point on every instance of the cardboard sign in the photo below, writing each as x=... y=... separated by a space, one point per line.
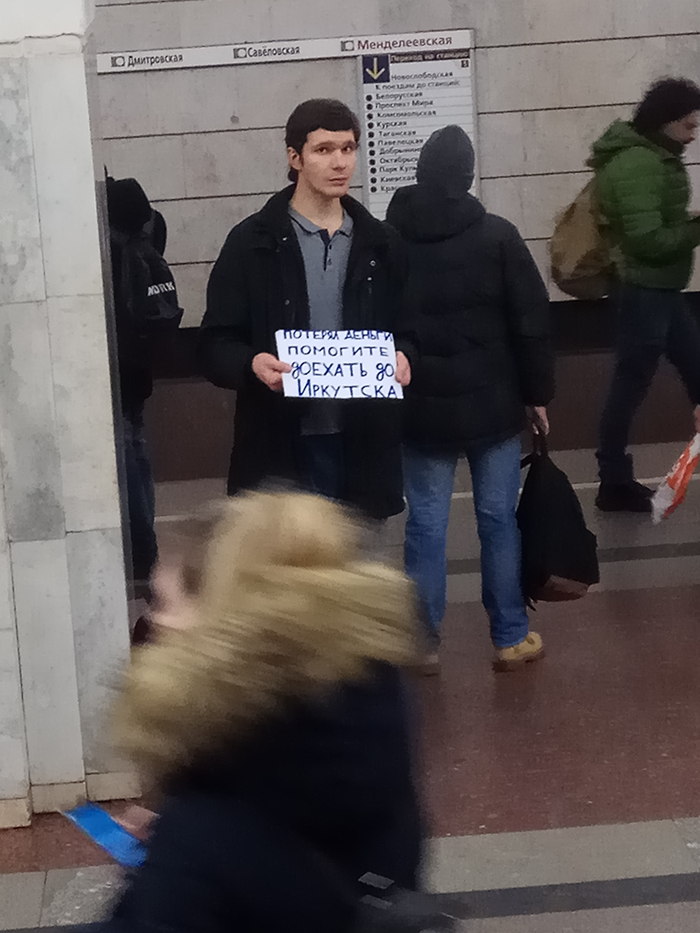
x=339 y=364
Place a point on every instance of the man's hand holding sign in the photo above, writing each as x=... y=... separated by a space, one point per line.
x=270 y=370
x=403 y=370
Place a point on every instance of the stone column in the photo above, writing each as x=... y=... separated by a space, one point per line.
x=63 y=611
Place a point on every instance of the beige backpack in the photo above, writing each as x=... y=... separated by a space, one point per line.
x=581 y=262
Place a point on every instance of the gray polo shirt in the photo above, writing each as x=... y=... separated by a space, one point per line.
x=326 y=265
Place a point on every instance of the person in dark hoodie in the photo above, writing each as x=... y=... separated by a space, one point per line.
x=486 y=365
x=137 y=233
x=129 y=211
x=270 y=713
x=644 y=194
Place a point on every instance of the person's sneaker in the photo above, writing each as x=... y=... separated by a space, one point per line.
x=429 y=666
x=627 y=497
x=510 y=659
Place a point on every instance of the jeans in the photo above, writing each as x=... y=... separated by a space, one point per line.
x=322 y=461
x=140 y=496
x=429 y=481
x=651 y=323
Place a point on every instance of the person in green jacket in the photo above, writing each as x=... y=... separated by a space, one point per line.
x=644 y=194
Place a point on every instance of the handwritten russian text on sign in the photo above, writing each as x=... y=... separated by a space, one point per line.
x=339 y=364
x=406 y=98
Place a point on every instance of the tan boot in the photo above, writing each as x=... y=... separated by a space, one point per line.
x=510 y=659
x=430 y=665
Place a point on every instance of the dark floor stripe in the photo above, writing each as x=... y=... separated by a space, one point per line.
x=567 y=898
x=649 y=552
x=610 y=555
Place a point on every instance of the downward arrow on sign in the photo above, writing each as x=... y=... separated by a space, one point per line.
x=376 y=72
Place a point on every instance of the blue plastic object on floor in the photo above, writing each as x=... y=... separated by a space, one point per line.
x=96 y=823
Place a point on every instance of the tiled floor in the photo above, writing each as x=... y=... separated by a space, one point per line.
x=655 y=904
x=544 y=858
x=57 y=898
x=606 y=729
x=580 y=769
x=50 y=843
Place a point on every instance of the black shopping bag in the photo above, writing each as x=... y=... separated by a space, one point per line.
x=560 y=560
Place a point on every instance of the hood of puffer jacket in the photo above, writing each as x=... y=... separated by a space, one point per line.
x=447 y=161
x=287 y=612
x=621 y=136
x=439 y=206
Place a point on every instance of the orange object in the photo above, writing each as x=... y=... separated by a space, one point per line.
x=672 y=491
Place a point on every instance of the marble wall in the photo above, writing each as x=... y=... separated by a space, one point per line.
x=63 y=613
x=207 y=143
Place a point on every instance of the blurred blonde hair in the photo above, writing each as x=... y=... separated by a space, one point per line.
x=286 y=608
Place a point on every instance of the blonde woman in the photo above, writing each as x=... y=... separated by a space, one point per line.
x=270 y=715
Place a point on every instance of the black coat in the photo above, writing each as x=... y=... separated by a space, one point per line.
x=131 y=216
x=482 y=316
x=275 y=836
x=129 y=211
x=257 y=287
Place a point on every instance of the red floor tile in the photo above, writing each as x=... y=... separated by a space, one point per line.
x=50 y=842
x=606 y=729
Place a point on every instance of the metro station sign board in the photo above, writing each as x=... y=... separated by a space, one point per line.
x=410 y=85
x=286 y=50
x=406 y=97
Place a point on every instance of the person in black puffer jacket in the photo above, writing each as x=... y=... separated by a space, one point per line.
x=486 y=361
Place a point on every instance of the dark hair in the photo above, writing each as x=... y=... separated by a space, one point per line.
x=665 y=102
x=318 y=114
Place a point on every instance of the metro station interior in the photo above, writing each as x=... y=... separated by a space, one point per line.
x=565 y=796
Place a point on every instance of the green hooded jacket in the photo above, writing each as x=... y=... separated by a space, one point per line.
x=644 y=193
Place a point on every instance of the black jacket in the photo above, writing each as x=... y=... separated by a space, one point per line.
x=275 y=836
x=257 y=287
x=482 y=316
x=130 y=215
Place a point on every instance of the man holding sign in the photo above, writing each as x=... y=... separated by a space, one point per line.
x=305 y=320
